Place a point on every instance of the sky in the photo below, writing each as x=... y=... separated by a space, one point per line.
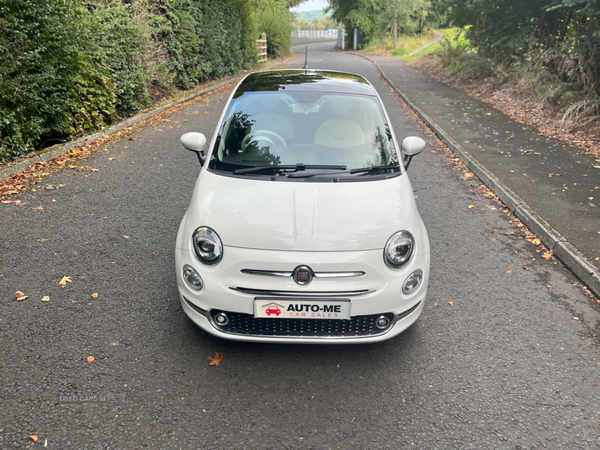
x=310 y=5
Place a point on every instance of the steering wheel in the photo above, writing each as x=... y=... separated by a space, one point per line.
x=259 y=134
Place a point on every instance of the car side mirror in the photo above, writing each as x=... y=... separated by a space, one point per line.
x=411 y=146
x=195 y=142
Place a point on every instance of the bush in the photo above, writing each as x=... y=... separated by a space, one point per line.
x=461 y=58
x=275 y=20
x=209 y=39
x=68 y=67
x=44 y=72
x=119 y=44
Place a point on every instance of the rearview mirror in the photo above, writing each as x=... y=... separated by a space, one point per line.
x=411 y=146
x=195 y=142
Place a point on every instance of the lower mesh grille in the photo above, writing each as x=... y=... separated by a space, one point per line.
x=247 y=324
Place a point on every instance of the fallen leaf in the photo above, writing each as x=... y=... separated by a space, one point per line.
x=509 y=271
x=45 y=298
x=472 y=206
x=549 y=286
x=436 y=304
x=536 y=241
x=216 y=360
x=95 y=295
x=126 y=237
x=576 y=318
x=64 y=281
x=132 y=139
x=547 y=255
x=33 y=437
x=39 y=208
x=94 y=170
x=154 y=254
x=451 y=303
x=90 y=359
x=20 y=296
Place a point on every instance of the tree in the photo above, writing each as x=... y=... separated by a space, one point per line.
x=403 y=16
x=362 y=14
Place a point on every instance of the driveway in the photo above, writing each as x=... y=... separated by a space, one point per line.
x=504 y=356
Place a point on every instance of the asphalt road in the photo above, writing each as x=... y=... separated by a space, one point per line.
x=506 y=366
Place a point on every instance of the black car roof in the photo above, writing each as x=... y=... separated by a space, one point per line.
x=305 y=81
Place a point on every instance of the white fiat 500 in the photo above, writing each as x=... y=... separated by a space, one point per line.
x=303 y=226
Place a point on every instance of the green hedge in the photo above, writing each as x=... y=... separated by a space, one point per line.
x=68 y=67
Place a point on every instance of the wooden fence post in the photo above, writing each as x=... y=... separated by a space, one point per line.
x=262 y=48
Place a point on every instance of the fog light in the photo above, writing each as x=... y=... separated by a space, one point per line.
x=412 y=282
x=222 y=319
x=382 y=322
x=192 y=277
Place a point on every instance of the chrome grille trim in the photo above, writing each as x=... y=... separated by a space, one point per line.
x=302 y=293
x=338 y=274
x=281 y=273
x=267 y=273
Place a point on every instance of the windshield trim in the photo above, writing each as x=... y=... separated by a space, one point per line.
x=318 y=179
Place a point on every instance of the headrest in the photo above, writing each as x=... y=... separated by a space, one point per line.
x=339 y=133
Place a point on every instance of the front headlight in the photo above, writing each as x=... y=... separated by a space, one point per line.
x=207 y=246
x=193 y=278
x=399 y=249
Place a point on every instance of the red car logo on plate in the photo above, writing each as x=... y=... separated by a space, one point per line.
x=273 y=310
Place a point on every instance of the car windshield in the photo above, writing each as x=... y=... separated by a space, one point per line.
x=327 y=132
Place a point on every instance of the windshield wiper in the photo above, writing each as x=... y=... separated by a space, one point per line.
x=294 y=168
x=374 y=168
x=318 y=174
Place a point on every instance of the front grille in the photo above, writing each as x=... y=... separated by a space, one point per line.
x=247 y=324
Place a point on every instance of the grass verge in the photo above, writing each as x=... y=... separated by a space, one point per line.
x=450 y=34
x=523 y=88
x=403 y=46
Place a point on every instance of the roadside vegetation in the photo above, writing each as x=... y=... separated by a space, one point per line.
x=402 y=46
x=69 y=67
x=450 y=34
x=545 y=50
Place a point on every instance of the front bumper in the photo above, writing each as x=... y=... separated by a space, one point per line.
x=377 y=292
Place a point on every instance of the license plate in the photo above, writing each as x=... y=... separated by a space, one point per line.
x=302 y=308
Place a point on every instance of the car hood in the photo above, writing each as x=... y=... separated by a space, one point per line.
x=303 y=216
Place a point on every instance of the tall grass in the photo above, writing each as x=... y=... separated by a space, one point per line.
x=403 y=46
x=579 y=108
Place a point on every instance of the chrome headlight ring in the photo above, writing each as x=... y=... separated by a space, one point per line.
x=207 y=246
x=399 y=249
